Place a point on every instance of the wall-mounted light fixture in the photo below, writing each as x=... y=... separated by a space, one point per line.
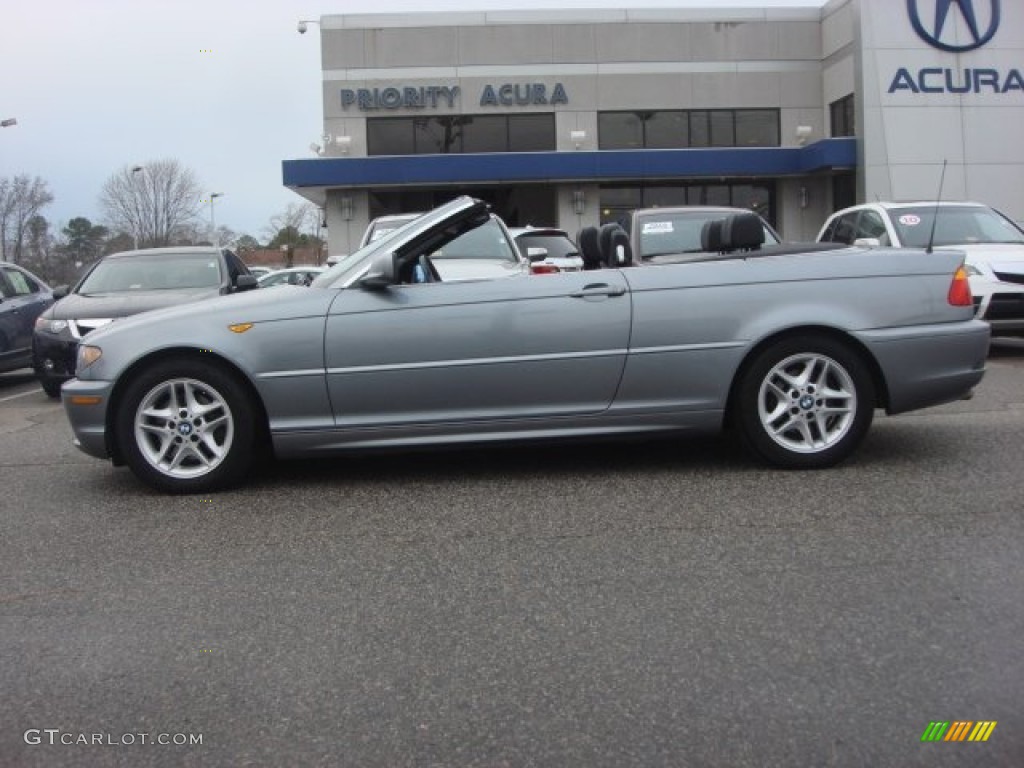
x=348 y=208
x=577 y=138
x=805 y=197
x=343 y=143
x=579 y=202
x=803 y=133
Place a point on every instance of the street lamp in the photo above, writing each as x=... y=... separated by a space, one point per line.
x=213 y=225
x=8 y=122
x=135 y=231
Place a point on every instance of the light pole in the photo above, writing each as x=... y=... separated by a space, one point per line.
x=135 y=232
x=213 y=225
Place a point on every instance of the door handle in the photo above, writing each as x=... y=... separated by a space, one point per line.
x=598 y=289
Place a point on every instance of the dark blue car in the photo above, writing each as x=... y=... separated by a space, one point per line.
x=23 y=297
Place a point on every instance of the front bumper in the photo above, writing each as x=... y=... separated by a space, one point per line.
x=86 y=404
x=54 y=356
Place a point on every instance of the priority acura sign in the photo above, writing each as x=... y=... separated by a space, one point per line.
x=955 y=26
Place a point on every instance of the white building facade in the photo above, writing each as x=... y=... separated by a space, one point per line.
x=570 y=118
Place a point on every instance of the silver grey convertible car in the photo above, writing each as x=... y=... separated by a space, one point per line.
x=792 y=346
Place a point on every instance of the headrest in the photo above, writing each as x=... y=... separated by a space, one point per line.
x=711 y=236
x=615 y=248
x=590 y=247
x=742 y=232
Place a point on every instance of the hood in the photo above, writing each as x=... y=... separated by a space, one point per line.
x=477 y=269
x=282 y=303
x=77 y=306
x=1000 y=257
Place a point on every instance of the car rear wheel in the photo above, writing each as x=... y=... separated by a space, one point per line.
x=805 y=402
x=186 y=427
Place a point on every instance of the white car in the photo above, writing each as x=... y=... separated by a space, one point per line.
x=290 y=276
x=547 y=249
x=992 y=242
x=384 y=225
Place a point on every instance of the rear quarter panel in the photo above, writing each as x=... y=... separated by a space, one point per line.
x=694 y=323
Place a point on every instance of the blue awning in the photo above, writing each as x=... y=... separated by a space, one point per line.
x=579 y=167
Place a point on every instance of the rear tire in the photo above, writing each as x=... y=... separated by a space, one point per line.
x=186 y=426
x=805 y=402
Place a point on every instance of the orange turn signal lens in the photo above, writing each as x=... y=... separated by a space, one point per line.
x=86 y=400
x=240 y=327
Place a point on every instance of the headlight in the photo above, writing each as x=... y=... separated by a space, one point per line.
x=87 y=355
x=50 y=326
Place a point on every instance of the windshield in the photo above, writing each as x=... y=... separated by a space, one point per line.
x=350 y=265
x=956 y=225
x=153 y=272
x=679 y=232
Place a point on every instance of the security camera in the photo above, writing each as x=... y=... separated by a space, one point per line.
x=302 y=27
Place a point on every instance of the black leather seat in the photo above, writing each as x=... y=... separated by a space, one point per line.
x=590 y=247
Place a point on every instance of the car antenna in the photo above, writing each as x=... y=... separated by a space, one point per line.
x=935 y=216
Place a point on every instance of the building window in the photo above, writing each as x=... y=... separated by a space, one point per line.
x=681 y=129
x=458 y=134
x=618 y=201
x=841 y=117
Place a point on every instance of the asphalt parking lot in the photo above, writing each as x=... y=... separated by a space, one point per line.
x=657 y=604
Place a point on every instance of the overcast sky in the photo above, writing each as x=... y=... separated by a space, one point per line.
x=226 y=87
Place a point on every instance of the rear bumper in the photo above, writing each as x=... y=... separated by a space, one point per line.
x=929 y=365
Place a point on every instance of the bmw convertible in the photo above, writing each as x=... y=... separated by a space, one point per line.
x=792 y=347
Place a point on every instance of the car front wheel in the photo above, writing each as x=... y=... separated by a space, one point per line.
x=805 y=402
x=186 y=427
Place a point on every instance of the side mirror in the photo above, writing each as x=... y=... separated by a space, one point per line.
x=868 y=242
x=246 y=282
x=60 y=292
x=382 y=274
x=536 y=254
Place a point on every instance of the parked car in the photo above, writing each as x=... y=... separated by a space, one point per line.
x=383 y=225
x=992 y=242
x=795 y=351
x=676 y=231
x=547 y=249
x=23 y=297
x=124 y=284
x=290 y=276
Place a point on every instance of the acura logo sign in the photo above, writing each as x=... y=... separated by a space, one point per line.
x=940 y=30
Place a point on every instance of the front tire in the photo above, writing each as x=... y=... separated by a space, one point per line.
x=186 y=426
x=50 y=386
x=805 y=402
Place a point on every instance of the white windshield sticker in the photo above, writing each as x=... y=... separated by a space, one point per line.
x=657 y=226
x=910 y=220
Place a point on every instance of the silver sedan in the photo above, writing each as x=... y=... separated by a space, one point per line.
x=795 y=349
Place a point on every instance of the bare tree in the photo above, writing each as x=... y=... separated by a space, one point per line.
x=152 y=202
x=21 y=199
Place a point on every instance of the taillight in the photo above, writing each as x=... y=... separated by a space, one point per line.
x=543 y=269
x=960 y=290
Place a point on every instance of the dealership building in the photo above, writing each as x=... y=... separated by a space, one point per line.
x=571 y=117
